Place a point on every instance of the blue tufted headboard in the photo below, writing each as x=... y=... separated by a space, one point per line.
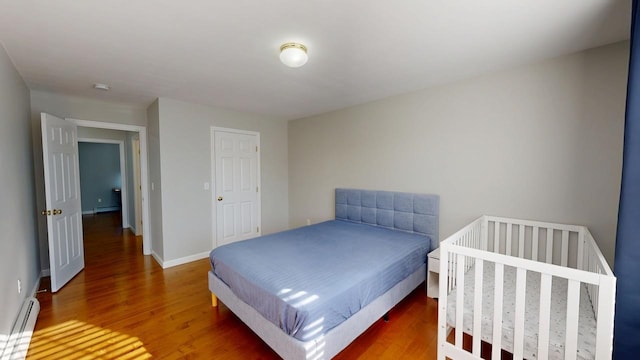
x=416 y=213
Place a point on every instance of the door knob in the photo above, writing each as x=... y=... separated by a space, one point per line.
x=45 y=212
x=57 y=211
x=220 y=198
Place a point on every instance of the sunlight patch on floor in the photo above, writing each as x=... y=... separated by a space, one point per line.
x=78 y=340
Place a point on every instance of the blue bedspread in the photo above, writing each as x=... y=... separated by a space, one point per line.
x=308 y=280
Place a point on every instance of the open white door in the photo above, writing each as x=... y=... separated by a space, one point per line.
x=237 y=183
x=62 y=192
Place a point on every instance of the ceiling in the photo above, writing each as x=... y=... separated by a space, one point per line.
x=224 y=53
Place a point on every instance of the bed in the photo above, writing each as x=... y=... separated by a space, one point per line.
x=309 y=292
x=537 y=290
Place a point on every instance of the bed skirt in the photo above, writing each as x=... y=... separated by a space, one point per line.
x=324 y=346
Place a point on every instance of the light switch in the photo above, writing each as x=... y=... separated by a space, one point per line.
x=206 y=186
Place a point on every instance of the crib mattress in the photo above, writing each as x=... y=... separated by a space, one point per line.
x=586 y=323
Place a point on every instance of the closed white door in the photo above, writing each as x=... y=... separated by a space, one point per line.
x=237 y=185
x=62 y=193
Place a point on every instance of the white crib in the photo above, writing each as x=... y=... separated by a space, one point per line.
x=537 y=290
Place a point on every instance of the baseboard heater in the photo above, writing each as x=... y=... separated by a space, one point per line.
x=20 y=337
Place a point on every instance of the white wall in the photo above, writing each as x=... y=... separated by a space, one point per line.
x=18 y=213
x=155 y=181
x=65 y=106
x=542 y=141
x=185 y=157
x=87 y=109
x=105 y=134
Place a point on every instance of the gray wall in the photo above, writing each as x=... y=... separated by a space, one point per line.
x=185 y=161
x=65 y=106
x=130 y=136
x=18 y=213
x=542 y=142
x=155 y=180
x=99 y=175
x=104 y=134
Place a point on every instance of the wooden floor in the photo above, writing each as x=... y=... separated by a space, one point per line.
x=123 y=305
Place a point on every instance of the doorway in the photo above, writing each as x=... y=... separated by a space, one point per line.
x=103 y=177
x=62 y=194
x=142 y=189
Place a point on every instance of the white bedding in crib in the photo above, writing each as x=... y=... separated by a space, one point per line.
x=586 y=323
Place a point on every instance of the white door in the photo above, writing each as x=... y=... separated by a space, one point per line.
x=62 y=193
x=236 y=188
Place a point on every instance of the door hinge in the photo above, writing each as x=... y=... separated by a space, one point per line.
x=256 y=148
x=258 y=229
x=256 y=189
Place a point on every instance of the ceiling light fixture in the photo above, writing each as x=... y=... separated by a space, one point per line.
x=99 y=86
x=293 y=54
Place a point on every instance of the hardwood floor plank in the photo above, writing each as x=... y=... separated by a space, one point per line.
x=124 y=305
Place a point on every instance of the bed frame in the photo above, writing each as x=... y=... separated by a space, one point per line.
x=553 y=250
x=417 y=213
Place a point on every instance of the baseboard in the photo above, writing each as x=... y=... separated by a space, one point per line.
x=157 y=258
x=101 y=210
x=107 y=209
x=182 y=260
x=35 y=288
x=134 y=230
x=161 y=262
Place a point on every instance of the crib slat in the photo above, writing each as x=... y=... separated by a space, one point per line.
x=484 y=235
x=581 y=251
x=452 y=265
x=459 y=299
x=496 y=237
x=477 y=308
x=604 y=314
x=509 y=234
x=534 y=244
x=518 y=332
x=565 y=248
x=571 y=341
x=521 y=241
x=496 y=345
x=549 y=257
x=545 y=313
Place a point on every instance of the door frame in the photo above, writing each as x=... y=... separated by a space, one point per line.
x=124 y=190
x=144 y=170
x=214 y=217
x=137 y=197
